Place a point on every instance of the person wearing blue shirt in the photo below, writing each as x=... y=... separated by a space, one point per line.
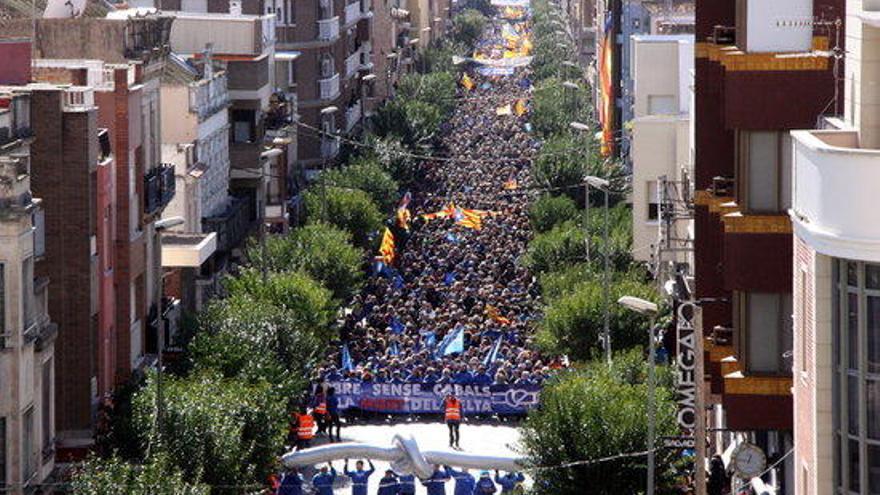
x=323 y=481
x=509 y=481
x=389 y=484
x=463 y=377
x=482 y=378
x=359 y=476
x=291 y=483
x=484 y=485
x=464 y=481
x=436 y=484
x=407 y=484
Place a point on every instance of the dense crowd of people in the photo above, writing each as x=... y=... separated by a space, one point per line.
x=450 y=276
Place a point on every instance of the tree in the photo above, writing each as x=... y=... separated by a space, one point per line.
x=321 y=250
x=366 y=173
x=438 y=56
x=573 y=321
x=352 y=210
x=554 y=107
x=599 y=412
x=394 y=156
x=217 y=431
x=309 y=302
x=99 y=476
x=549 y=211
x=436 y=88
x=556 y=249
x=565 y=159
x=468 y=26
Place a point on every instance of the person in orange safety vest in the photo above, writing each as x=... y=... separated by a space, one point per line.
x=452 y=415
x=304 y=425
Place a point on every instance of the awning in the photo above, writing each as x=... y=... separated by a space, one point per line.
x=287 y=56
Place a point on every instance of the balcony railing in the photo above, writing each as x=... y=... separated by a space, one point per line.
x=79 y=98
x=329 y=148
x=352 y=64
x=328 y=29
x=159 y=187
x=329 y=87
x=206 y=97
x=352 y=116
x=352 y=13
x=233 y=224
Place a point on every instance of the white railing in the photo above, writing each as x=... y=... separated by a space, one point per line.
x=329 y=147
x=366 y=56
x=328 y=29
x=208 y=96
x=79 y=98
x=352 y=64
x=352 y=116
x=352 y=13
x=329 y=87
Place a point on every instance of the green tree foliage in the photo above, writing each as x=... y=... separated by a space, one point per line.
x=311 y=304
x=395 y=157
x=598 y=412
x=368 y=175
x=114 y=476
x=468 y=26
x=352 y=210
x=554 y=107
x=436 y=89
x=549 y=211
x=217 y=431
x=321 y=250
x=556 y=249
x=421 y=104
x=438 y=56
x=564 y=160
x=247 y=338
x=573 y=321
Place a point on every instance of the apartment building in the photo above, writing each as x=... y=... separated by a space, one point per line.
x=27 y=335
x=661 y=162
x=761 y=69
x=113 y=66
x=836 y=276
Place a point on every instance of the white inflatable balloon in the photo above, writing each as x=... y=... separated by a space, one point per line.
x=404 y=456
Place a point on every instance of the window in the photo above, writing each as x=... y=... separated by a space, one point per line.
x=46 y=407
x=653 y=201
x=27 y=292
x=856 y=382
x=767 y=325
x=328 y=66
x=27 y=444
x=243 y=129
x=802 y=316
x=325 y=9
x=2 y=305
x=764 y=170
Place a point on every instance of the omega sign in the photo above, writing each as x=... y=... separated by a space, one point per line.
x=686 y=386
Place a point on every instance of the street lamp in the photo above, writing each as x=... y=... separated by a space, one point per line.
x=648 y=308
x=602 y=185
x=330 y=110
x=368 y=78
x=161 y=226
x=580 y=126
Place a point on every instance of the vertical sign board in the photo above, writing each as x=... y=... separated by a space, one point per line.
x=686 y=361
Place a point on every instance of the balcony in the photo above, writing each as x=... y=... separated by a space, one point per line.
x=352 y=13
x=329 y=87
x=159 y=187
x=329 y=148
x=352 y=116
x=328 y=29
x=232 y=225
x=830 y=165
x=207 y=97
x=78 y=98
x=352 y=64
x=367 y=8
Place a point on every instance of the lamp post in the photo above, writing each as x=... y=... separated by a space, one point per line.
x=367 y=79
x=331 y=110
x=602 y=185
x=161 y=226
x=579 y=126
x=649 y=309
x=573 y=86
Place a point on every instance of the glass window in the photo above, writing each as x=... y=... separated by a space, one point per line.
x=852 y=330
x=27 y=444
x=769 y=331
x=873 y=469
x=872 y=276
x=852 y=399
x=2 y=451
x=854 y=471
x=872 y=315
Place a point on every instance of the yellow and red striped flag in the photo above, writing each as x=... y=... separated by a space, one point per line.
x=493 y=313
x=386 y=248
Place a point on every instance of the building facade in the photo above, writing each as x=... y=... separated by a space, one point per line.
x=27 y=336
x=836 y=277
x=761 y=69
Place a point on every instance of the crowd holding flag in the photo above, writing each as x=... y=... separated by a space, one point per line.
x=493 y=313
x=386 y=248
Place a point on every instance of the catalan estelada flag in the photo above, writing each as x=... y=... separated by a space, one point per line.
x=511 y=184
x=472 y=219
x=519 y=108
x=386 y=248
x=447 y=212
x=467 y=83
x=403 y=213
x=493 y=313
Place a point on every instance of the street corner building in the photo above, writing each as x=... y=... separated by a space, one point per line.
x=836 y=276
x=762 y=70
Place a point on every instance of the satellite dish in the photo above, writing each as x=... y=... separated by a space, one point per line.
x=64 y=9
